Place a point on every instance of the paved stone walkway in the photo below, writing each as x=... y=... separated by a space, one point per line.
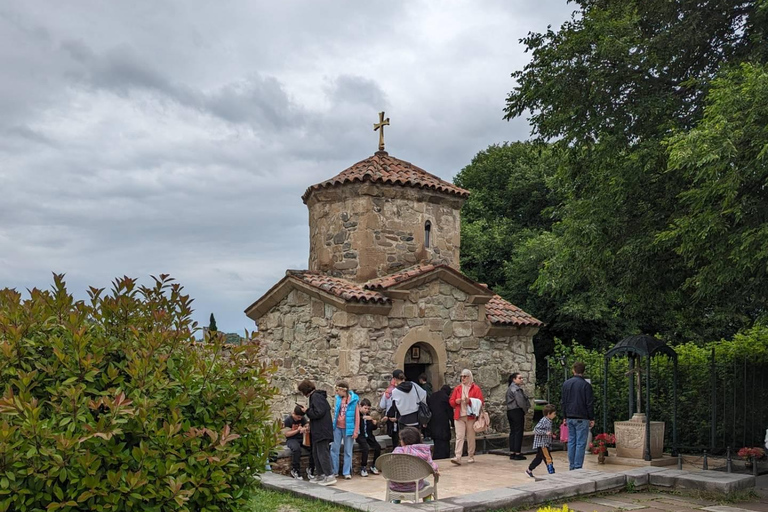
x=579 y=489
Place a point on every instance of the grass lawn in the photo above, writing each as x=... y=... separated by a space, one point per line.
x=272 y=501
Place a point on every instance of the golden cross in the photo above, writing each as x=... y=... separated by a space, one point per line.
x=380 y=126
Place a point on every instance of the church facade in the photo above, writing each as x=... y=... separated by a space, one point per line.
x=383 y=290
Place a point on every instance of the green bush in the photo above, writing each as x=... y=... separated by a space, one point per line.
x=110 y=404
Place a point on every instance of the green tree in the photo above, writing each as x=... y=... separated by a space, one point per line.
x=609 y=88
x=212 y=324
x=721 y=229
x=509 y=203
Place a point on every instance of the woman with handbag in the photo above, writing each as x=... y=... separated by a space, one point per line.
x=517 y=405
x=467 y=403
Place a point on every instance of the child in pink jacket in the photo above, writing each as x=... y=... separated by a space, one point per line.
x=410 y=443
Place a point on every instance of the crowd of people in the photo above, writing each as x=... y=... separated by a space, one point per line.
x=411 y=412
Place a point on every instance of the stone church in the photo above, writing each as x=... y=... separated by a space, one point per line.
x=384 y=291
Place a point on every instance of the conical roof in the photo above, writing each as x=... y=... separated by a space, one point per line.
x=386 y=169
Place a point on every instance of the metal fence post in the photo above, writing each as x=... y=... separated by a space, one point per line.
x=679 y=461
x=713 y=405
x=706 y=462
x=728 y=461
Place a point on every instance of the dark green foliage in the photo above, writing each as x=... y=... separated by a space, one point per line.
x=212 y=324
x=109 y=404
x=721 y=229
x=610 y=87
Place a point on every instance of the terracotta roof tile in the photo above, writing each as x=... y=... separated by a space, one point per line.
x=341 y=288
x=500 y=311
x=497 y=310
x=399 y=277
x=382 y=168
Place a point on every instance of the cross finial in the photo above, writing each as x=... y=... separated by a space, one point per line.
x=380 y=126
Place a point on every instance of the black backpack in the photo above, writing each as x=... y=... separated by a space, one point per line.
x=424 y=413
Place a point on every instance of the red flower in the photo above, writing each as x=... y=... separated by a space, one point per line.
x=748 y=453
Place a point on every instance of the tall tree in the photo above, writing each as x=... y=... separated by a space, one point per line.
x=721 y=229
x=609 y=87
x=212 y=324
x=506 y=237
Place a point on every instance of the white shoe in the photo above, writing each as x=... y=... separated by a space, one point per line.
x=374 y=470
x=329 y=480
x=347 y=477
x=363 y=472
x=295 y=474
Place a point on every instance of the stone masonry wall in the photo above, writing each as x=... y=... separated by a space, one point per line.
x=362 y=231
x=307 y=338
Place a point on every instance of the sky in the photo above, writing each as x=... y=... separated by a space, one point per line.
x=147 y=137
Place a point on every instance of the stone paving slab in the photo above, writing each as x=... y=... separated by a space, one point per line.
x=616 y=504
x=666 y=478
x=585 y=506
x=495 y=498
x=602 y=481
x=723 y=508
x=552 y=490
x=684 y=502
x=639 y=477
x=436 y=506
x=714 y=481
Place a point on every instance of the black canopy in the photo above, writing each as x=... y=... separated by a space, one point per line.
x=634 y=347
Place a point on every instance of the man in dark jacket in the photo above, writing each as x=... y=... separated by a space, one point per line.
x=441 y=422
x=320 y=430
x=578 y=407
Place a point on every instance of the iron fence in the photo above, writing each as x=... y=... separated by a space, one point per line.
x=722 y=400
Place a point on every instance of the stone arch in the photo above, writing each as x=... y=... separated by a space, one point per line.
x=431 y=339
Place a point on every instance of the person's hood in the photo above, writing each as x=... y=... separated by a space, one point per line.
x=405 y=386
x=322 y=393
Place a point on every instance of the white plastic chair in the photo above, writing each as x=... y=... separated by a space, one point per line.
x=406 y=468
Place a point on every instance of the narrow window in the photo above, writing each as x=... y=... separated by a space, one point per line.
x=427 y=233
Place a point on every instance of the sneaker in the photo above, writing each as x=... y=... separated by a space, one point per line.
x=316 y=479
x=456 y=461
x=363 y=472
x=347 y=477
x=470 y=460
x=374 y=470
x=551 y=469
x=295 y=474
x=517 y=456
x=310 y=474
x=329 y=480
x=529 y=473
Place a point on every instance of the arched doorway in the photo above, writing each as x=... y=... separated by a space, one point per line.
x=419 y=358
x=431 y=348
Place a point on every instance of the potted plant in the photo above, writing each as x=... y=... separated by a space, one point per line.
x=600 y=445
x=751 y=454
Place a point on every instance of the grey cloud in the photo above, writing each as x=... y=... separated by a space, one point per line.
x=356 y=89
x=139 y=138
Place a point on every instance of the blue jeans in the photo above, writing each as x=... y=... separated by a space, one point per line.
x=340 y=438
x=577 y=442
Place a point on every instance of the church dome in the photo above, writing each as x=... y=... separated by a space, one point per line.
x=385 y=169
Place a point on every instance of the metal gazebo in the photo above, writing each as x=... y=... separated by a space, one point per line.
x=636 y=347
